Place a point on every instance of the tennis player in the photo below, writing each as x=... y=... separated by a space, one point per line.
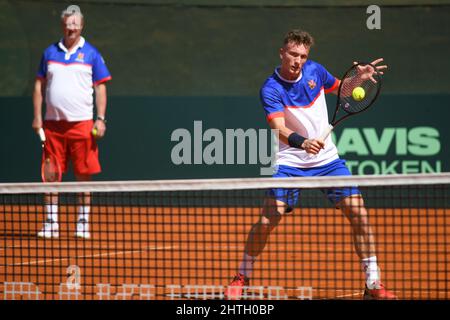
x=69 y=73
x=293 y=98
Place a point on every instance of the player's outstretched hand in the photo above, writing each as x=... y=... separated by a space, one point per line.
x=367 y=71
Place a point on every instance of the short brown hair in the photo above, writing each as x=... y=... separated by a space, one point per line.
x=299 y=37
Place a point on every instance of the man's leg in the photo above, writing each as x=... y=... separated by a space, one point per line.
x=271 y=214
x=256 y=242
x=364 y=242
x=363 y=239
x=51 y=227
x=84 y=209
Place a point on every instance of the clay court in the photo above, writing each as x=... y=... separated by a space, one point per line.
x=192 y=253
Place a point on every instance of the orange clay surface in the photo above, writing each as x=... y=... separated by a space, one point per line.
x=192 y=253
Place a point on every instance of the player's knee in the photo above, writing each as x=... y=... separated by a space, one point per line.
x=353 y=207
x=270 y=221
x=358 y=218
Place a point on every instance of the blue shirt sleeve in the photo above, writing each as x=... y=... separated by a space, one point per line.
x=271 y=101
x=100 y=72
x=42 y=71
x=328 y=80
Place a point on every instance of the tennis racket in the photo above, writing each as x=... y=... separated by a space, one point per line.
x=50 y=168
x=358 y=90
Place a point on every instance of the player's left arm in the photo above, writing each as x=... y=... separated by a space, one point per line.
x=367 y=73
x=100 y=75
x=100 y=102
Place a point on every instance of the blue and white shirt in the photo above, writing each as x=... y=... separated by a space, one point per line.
x=71 y=77
x=302 y=103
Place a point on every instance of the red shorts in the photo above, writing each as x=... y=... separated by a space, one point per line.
x=73 y=141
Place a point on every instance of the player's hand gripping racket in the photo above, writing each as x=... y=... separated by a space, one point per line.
x=358 y=90
x=50 y=169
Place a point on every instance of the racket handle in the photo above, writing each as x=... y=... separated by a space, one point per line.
x=42 y=135
x=326 y=132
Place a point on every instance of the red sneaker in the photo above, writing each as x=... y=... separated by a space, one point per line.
x=235 y=288
x=379 y=292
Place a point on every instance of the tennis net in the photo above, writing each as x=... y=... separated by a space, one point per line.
x=185 y=239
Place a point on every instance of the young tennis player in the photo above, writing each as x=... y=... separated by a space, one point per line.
x=293 y=98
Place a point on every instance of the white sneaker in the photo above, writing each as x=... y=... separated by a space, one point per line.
x=50 y=230
x=82 y=229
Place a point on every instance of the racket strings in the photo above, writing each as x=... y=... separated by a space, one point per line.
x=51 y=171
x=352 y=80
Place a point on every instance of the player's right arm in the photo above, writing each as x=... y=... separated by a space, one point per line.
x=274 y=109
x=311 y=146
x=38 y=98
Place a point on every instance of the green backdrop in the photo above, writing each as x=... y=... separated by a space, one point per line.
x=400 y=134
x=174 y=62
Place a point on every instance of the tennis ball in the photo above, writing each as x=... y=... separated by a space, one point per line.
x=358 y=93
x=94 y=132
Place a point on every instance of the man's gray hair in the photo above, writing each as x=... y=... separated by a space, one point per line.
x=71 y=10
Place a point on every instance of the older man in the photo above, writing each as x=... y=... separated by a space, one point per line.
x=70 y=71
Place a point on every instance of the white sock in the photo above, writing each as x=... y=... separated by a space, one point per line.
x=52 y=212
x=370 y=268
x=246 y=266
x=83 y=213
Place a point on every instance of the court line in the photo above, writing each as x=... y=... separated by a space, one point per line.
x=37 y=247
x=356 y=293
x=109 y=253
x=92 y=256
x=240 y=247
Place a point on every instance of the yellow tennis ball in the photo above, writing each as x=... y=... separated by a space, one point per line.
x=94 y=132
x=358 y=93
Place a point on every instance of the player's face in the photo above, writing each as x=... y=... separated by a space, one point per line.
x=72 y=27
x=293 y=56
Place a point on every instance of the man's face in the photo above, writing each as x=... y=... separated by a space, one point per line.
x=72 y=27
x=293 y=56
